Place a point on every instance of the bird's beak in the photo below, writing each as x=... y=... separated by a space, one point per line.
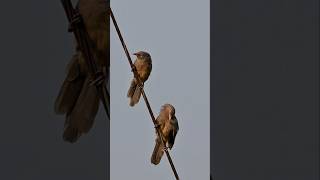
x=135 y=54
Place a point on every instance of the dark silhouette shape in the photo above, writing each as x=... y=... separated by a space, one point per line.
x=78 y=98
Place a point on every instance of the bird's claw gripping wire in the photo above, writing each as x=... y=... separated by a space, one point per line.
x=99 y=78
x=76 y=19
x=134 y=69
x=157 y=126
x=140 y=85
x=165 y=148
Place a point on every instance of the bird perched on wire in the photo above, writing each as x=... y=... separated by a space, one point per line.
x=143 y=65
x=168 y=126
x=78 y=97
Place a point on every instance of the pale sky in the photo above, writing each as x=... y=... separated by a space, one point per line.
x=176 y=34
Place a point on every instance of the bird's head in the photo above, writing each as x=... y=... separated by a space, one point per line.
x=142 y=55
x=170 y=109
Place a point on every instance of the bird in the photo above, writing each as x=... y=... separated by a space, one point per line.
x=78 y=99
x=168 y=127
x=143 y=65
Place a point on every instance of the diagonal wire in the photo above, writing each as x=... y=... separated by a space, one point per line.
x=136 y=75
x=82 y=39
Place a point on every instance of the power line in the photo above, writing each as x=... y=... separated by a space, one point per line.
x=136 y=75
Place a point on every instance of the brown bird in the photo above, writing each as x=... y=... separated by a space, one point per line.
x=78 y=98
x=168 y=126
x=143 y=64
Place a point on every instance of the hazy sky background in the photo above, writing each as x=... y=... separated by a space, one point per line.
x=176 y=34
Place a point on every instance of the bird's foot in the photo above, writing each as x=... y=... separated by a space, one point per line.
x=156 y=125
x=133 y=68
x=140 y=85
x=76 y=19
x=165 y=148
x=98 y=80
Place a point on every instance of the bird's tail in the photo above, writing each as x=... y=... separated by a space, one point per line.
x=70 y=88
x=134 y=93
x=157 y=152
x=80 y=120
x=71 y=134
x=132 y=88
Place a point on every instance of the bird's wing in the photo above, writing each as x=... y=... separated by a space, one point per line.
x=174 y=130
x=81 y=118
x=71 y=87
x=161 y=119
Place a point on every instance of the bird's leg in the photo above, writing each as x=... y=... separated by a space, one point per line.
x=156 y=125
x=140 y=85
x=134 y=69
x=76 y=19
x=99 y=78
